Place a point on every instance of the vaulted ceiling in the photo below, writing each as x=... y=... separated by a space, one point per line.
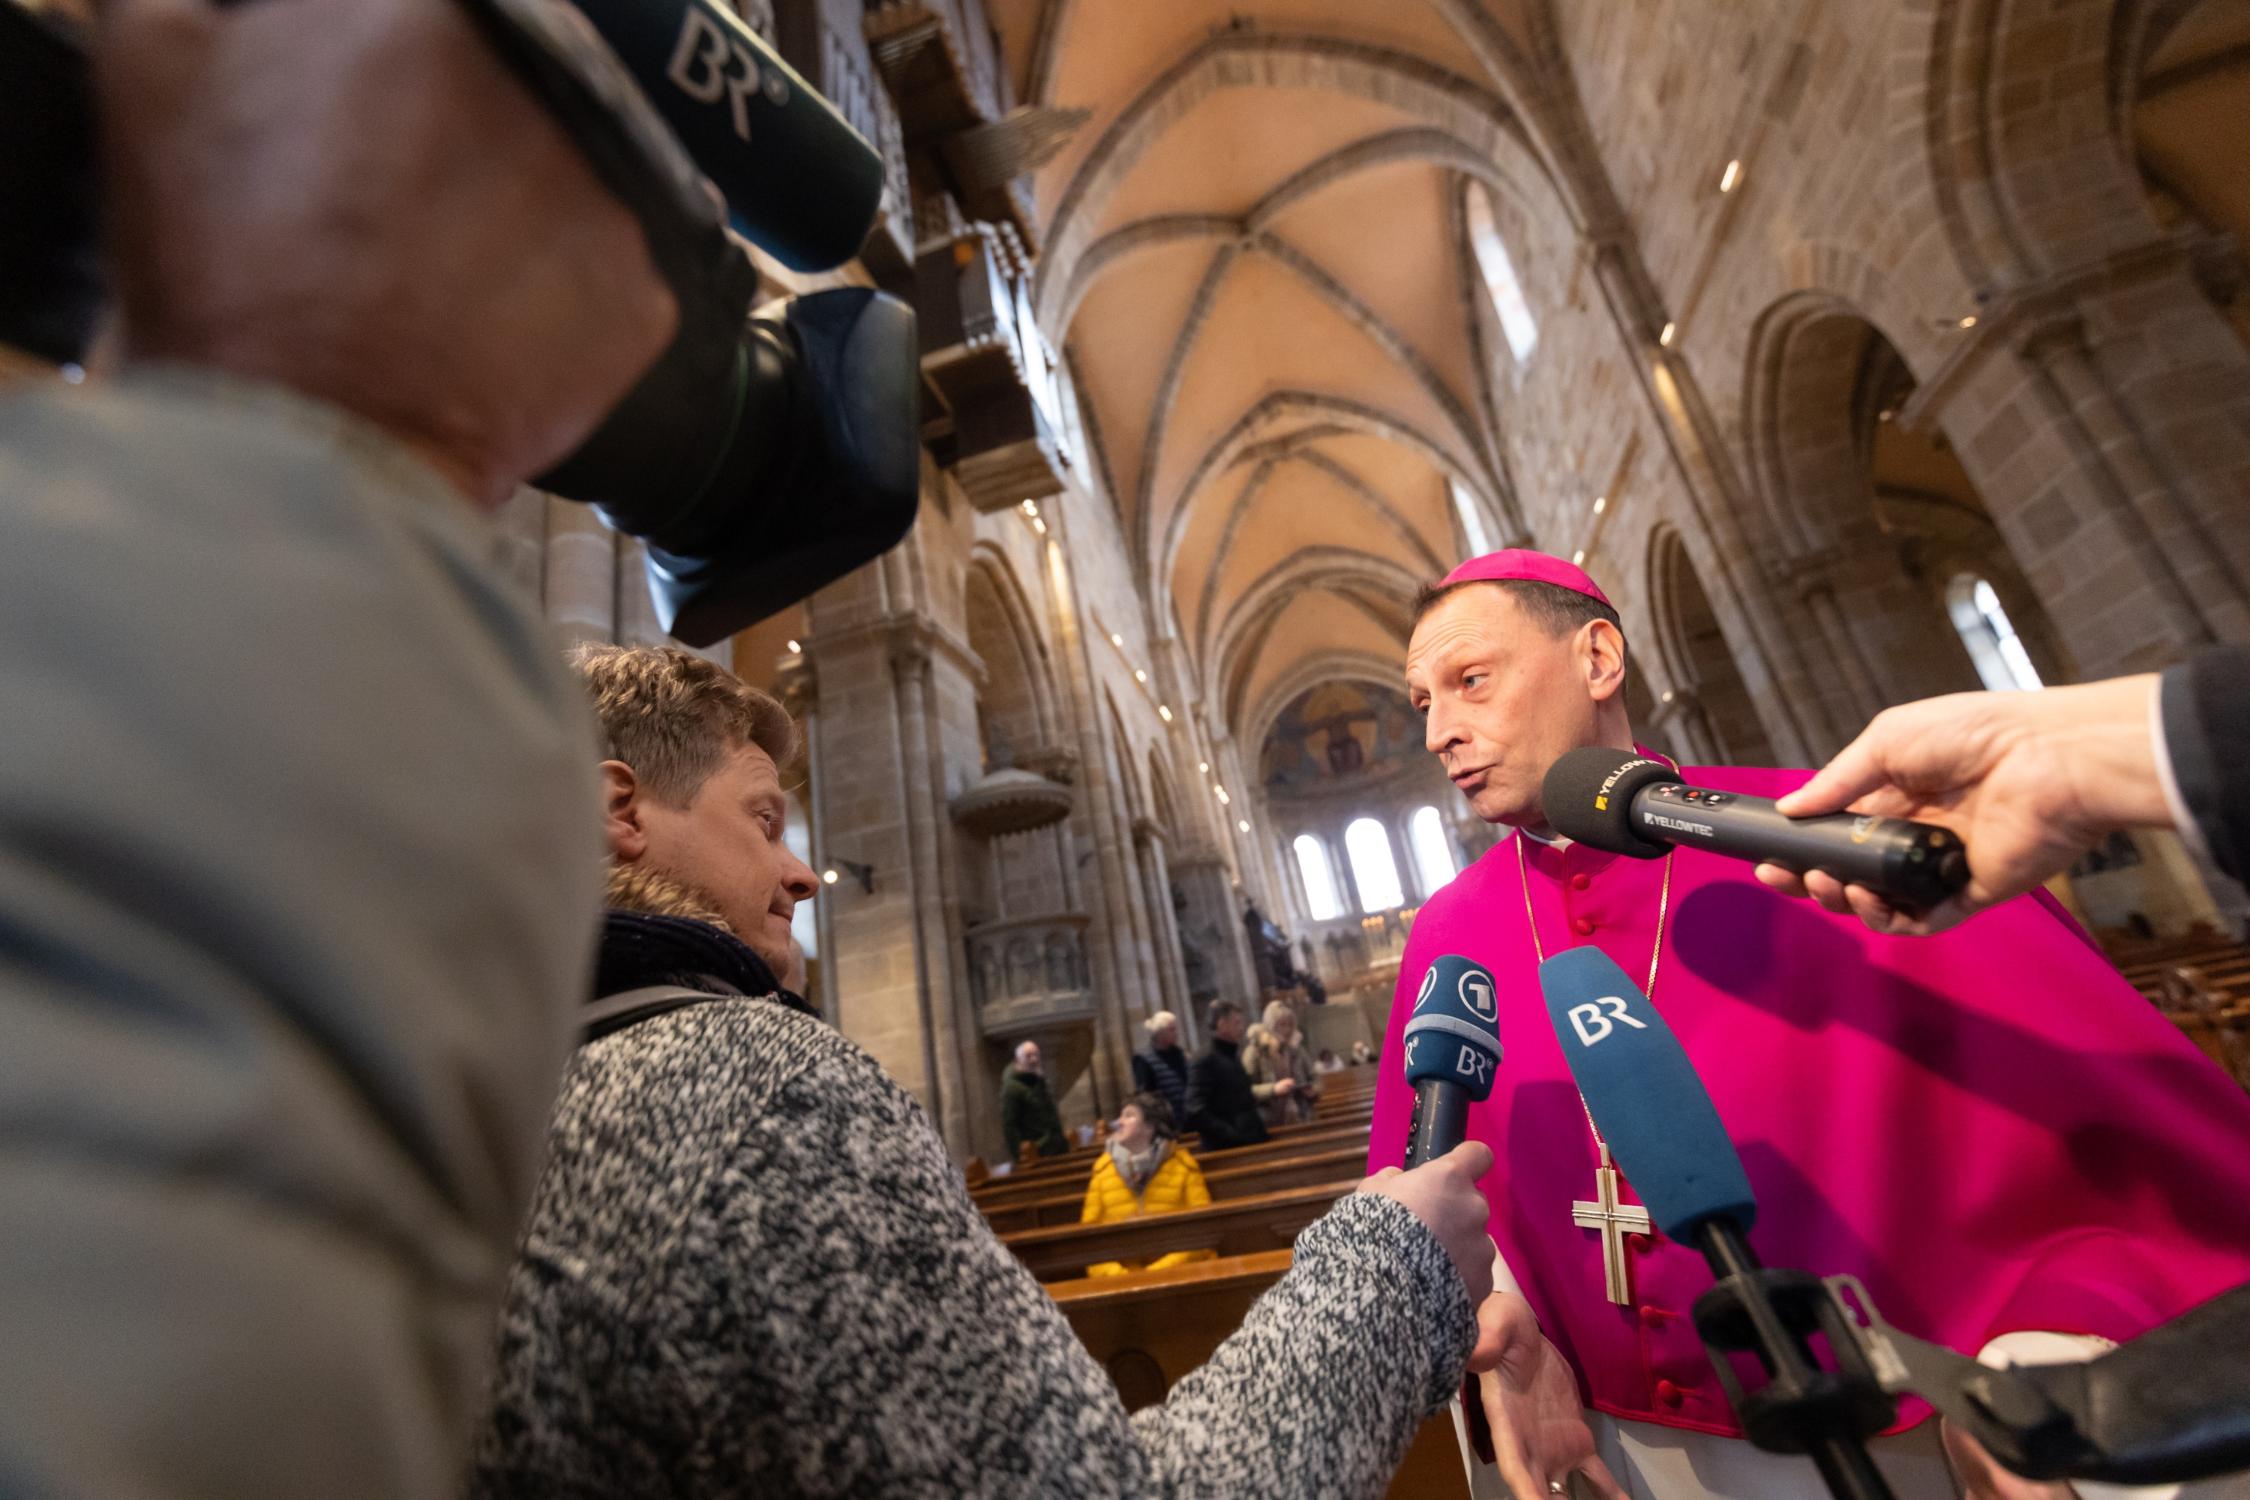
x=1253 y=253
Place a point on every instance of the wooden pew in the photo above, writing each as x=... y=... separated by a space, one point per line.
x=1017 y=1188
x=1239 y=1226
x=1226 y=1183
x=1151 y=1328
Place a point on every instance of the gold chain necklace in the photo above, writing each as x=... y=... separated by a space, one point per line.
x=1604 y=1213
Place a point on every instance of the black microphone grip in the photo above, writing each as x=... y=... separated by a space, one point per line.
x=1441 y=1121
x=1914 y=865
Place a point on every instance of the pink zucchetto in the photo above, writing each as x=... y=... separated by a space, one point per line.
x=1522 y=562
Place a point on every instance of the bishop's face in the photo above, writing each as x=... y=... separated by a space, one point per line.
x=1501 y=698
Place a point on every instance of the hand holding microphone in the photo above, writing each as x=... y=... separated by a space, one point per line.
x=2030 y=781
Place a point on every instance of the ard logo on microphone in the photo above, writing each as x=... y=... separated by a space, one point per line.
x=1592 y=1025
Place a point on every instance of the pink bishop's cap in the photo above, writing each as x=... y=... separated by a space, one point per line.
x=1522 y=562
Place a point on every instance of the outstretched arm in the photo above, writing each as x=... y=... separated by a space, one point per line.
x=865 y=1295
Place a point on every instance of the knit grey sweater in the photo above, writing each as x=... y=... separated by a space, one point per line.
x=751 y=1270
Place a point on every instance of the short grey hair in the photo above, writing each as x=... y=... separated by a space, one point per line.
x=1159 y=1021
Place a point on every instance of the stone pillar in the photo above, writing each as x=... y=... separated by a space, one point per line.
x=581 y=573
x=800 y=694
x=1171 y=967
x=2193 y=593
x=949 y=1009
x=1755 y=628
x=1110 y=934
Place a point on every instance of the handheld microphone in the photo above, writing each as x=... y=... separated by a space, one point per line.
x=1664 y=1131
x=1628 y=804
x=1452 y=1053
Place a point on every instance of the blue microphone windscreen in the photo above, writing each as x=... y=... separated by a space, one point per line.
x=1454 y=1033
x=1644 y=1095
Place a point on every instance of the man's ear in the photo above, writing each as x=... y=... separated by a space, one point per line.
x=621 y=812
x=1604 y=660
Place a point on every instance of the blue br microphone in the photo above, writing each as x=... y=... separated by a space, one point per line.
x=1664 y=1131
x=1452 y=1053
x=1644 y=1096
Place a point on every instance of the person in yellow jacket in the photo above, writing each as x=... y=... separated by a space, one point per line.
x=1144 y=1172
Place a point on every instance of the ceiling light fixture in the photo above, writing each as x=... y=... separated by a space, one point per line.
x=1243 y=824
x=1203 y=767
x=1665 y=338
x=1578 y=558
x=1140 y=676
x=1969 y=321
x=1732 y=175
x=828 y=877
x=1164 y=712
x=1117 y=640
x=1601 y=503
x=1031 y=507
x=795 y=649
x=1224 y=799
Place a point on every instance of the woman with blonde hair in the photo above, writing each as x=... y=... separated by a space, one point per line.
x=1144 y=1171
x=1282 y=1077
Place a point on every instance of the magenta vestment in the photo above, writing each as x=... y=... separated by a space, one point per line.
x=1990 y=1128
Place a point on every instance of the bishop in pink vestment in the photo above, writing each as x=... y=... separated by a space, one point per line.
x=1989 y=1128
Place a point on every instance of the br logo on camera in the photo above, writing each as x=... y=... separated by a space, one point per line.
x=1592 y=1026
x=701 y=61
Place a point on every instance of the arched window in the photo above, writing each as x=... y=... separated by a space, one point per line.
x=1373 y=869
x=1992 y=641
x=1433 y=851
x=1472 y=522
x=1499 y=274
x=1320 y=881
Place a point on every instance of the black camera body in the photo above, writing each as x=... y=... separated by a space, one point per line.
x=759 y=458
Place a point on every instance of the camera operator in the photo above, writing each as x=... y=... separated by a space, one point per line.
x=751 y=1269
x=292 y=910
x=2032 y=780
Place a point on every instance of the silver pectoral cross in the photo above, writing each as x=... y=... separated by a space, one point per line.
x=1615 y=1221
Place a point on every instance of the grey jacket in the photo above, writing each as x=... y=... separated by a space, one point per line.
x=298 y=877
x=752 y=1270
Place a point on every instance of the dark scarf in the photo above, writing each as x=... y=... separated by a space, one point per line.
x=639 y=951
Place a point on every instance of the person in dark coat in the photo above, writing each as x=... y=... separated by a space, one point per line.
x=1027 y=1109
x=1161 y=1068
x=1221 y=1108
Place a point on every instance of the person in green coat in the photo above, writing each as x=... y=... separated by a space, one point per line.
x=1027 y=1109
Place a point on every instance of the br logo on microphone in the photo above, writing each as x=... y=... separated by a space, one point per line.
x=1475 y=1065
x=1592 y=1026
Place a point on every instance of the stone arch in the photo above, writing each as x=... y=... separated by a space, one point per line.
x=1017 y=711
x=1299 y=450
x=1707 y=711
x=1247 y=59
x=1059 y=304
x=1306 y=568
x=1335 y=295
x=2015 y=87
x=1281 y=415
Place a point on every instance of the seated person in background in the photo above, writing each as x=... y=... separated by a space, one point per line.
x=1362 y=1054
x=1161 y=1068
x=1144 y=1171
x=1280 y=1070
x=1328 y=1061
x=1222 y=1110
x=1027 y=1109
x=749 y=1265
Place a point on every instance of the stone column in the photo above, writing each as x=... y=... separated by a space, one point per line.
x=581 y=573
x=1755 y=628
x=2191 y=592
x=800 y=694
x=1110 y=930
